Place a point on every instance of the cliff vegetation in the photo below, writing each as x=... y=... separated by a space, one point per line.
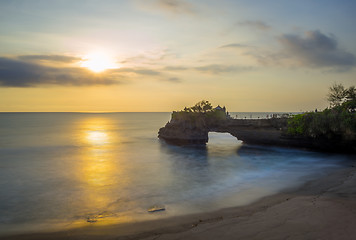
x=335 y=123
x=202 y=113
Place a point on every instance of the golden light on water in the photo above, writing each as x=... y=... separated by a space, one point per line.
x=97 y=168
x=100 y=168
x=98 y=162
x=97 y=137
x=96 y=131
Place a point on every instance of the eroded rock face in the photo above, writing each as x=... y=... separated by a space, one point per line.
x=193 y=128
x=184 y=132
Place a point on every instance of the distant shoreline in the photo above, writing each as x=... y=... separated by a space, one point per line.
x=323 y=208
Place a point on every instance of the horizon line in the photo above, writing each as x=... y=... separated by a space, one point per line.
x=147 y=112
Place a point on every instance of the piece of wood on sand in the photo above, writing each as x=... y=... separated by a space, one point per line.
x=156 y=209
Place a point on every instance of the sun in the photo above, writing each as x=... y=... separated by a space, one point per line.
x=98 y=62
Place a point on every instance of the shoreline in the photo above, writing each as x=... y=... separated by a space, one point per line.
x=323 y=208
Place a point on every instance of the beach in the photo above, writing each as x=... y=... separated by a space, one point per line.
x=324 y=208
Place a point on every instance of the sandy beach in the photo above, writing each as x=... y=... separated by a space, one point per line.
x=321 y=209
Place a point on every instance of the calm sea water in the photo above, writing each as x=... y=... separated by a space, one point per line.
x=62 y=170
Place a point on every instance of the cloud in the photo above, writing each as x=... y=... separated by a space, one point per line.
x=146 y=72
x=174 y=79
x=150 y=57
x=52 y=58
x=18 y=73
x=234 y=45
x=176 y=68
x=167 y=6
x=175 y=6
x=141 y=71
x=31 y=71
x=312 y=50
x=215 y=69
x=220 y=69
x=255 y=24
x=316 y=50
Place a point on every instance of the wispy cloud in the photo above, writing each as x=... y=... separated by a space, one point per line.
x=234 y=45
x=215 y=69
x=221 y=69
x=255 y=24
x=167 y=6
x=31 y=71
x=141 y=71
x=18 y=73
x=311 y=50
x=174 y=79
x=150 y=58
x=175 y=6
x=176 y=68
x=316 y=50
x=52 y=58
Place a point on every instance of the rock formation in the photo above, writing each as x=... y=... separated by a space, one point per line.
x=185 y=130
x=192 y=127
x=251 y=131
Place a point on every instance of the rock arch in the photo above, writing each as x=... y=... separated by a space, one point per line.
x=254 y=131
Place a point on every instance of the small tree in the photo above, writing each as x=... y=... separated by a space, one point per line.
x=351 y=93
x=200 y=107
x=338 y=94
x=206 y=106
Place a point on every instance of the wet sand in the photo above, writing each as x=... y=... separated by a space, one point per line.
x=321 y=209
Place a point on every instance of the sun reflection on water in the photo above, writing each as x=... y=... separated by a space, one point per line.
x=98 y=169
x=97 y=137
x=102 y=171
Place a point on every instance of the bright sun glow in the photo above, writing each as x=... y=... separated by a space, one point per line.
x=98 y=62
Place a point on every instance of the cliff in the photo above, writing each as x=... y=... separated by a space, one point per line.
x=333 y=129
x=184 y=132
x=194 y=130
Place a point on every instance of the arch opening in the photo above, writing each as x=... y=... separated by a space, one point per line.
x=222 y=143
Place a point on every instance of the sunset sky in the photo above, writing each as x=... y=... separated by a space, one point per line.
x=162 y=55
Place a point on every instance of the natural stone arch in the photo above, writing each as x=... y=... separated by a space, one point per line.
x=251 y=131
x=258 y=131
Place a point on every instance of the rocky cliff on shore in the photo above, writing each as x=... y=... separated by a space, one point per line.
x=192 y=125
x=331 y=130
x=184 y=132
x=195 y=130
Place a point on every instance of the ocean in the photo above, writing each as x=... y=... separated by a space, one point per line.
x=64 y=170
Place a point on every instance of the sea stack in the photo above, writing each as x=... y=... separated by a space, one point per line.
x=192 y=125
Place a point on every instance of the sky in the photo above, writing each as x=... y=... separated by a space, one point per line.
x=163 y=55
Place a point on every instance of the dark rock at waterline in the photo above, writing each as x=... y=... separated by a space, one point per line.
x=184 y=133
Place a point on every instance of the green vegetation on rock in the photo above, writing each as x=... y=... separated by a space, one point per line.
x=201 y=111
x=337 y=123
